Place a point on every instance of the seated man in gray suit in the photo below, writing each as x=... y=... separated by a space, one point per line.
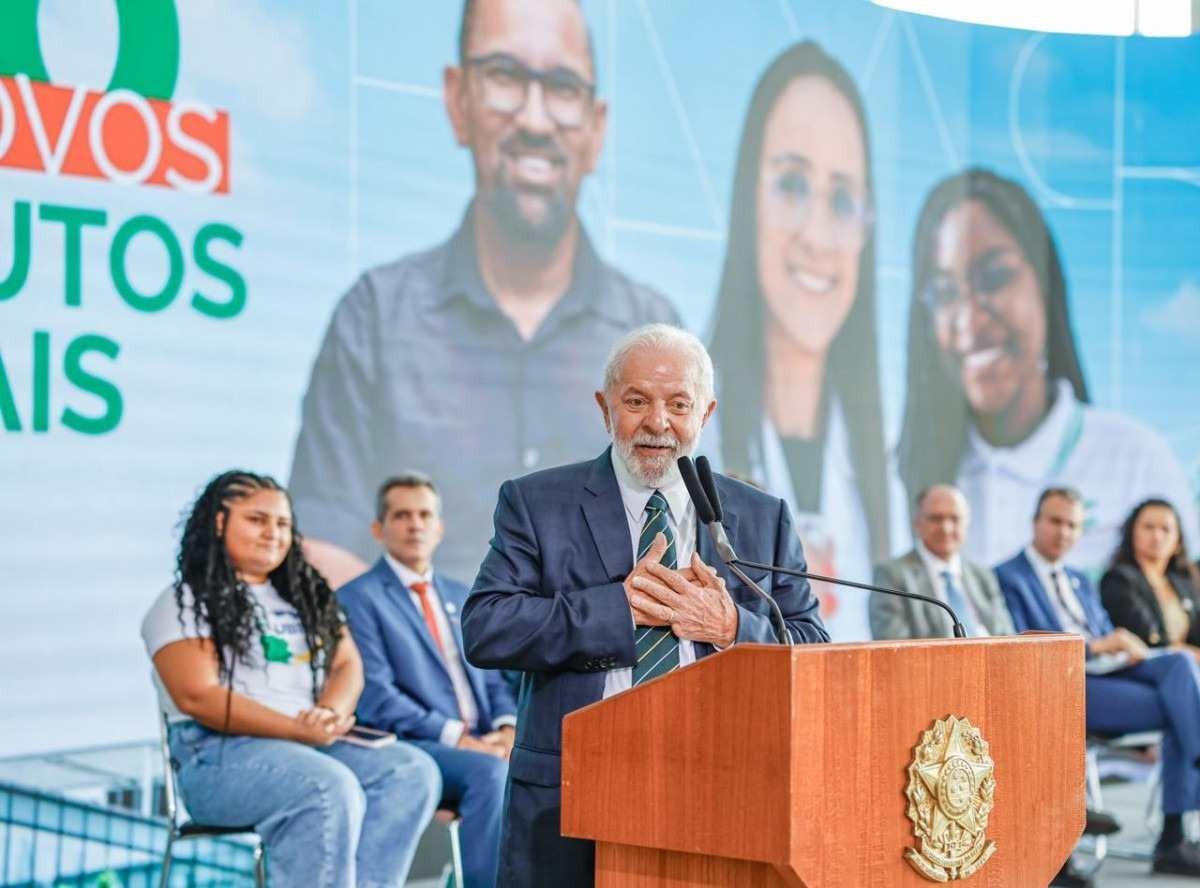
x=935 y=568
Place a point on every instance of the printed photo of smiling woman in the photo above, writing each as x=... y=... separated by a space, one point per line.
x=997 y=403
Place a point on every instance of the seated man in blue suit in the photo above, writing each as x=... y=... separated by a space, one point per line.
x=1149 y=694
x=599 y=578
x=405 y=620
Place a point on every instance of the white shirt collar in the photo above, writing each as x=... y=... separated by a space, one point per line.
x=1040 y=564
x=635 y=495
x=407 y=575
x=1033 y=457
x=937 y=566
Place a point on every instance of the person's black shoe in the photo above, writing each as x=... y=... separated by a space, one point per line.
x=1180 y=859
x=1068 y=878
x=1101 y=823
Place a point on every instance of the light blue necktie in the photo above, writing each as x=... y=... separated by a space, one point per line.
x=958 y=601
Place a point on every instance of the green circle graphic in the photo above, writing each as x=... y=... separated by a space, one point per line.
x=147 y=46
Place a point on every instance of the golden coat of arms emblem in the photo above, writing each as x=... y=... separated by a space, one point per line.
x=950 y=795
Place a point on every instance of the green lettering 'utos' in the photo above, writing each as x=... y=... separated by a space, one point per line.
x=148 y=302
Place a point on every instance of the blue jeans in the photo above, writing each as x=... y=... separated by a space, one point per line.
x=337 y=817
x=473 y=782
x=1160 y=694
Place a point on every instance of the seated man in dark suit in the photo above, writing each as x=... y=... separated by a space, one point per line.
x=1159 y=693
x=935 y=568
x=406 y=621
x=599 y=578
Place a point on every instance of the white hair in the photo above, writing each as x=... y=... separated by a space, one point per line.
x=662 y=337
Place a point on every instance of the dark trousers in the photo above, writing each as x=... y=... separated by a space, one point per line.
x=473 y=783
x=533 y=852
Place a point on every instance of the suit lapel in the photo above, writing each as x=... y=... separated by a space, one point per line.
x=920 y=581
x=397 y=592
x=1041 y=594
x=973 y=590
x=454 y=619
x=605 y=514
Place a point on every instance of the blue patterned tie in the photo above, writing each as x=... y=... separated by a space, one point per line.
x=958 y=601
x=657 y=647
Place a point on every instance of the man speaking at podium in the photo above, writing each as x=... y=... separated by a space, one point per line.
x=594 y=582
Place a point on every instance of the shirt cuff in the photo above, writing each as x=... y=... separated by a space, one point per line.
x=504 y=721
x=452 y=732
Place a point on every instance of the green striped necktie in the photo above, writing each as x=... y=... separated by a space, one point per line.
x=656 y=646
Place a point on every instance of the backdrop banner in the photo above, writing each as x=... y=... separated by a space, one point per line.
x=282 y=237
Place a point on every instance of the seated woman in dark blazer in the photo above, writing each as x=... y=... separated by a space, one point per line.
x=1151 y=588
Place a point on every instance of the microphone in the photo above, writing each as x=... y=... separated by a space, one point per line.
x=710 y=519
x=705 y=477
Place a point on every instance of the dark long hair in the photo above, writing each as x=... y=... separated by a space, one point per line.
x=223 y=601
x=738 y=332
x=1124 y=554
x=936 y=413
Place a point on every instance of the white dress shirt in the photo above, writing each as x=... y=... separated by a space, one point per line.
x=1062 y=593
x=935 y=567
x=453 y=730
x=681 y=517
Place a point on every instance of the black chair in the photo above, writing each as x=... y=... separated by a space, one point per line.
x=189 y=829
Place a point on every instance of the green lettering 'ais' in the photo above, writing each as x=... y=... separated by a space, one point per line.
x=147 y=46
x=108 y=393
x=8 y=407
x=80 y=378
x=41 y=381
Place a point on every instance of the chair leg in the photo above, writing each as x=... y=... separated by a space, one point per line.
x=1153 y=815
x=260 y=866
x=1099 y=844
x=456 y=852
x=166 y=862
x=1092 y=778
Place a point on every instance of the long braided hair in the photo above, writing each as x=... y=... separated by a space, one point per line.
x=223 y=601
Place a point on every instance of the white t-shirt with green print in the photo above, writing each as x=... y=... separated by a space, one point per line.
x=275 y=672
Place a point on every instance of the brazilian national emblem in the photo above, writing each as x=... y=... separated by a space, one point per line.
x=950 y=795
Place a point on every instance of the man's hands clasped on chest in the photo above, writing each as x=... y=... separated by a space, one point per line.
x=693 y=601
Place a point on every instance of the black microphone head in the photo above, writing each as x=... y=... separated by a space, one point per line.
x=704 y=470
x=691 y=481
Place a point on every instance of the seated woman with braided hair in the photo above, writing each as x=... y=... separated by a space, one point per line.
x=258 y=676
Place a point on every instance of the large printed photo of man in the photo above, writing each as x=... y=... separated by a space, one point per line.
x=474 y=361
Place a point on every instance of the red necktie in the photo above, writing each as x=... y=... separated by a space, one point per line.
x=422 y=590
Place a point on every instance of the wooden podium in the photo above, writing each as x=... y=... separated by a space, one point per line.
x=768 y=766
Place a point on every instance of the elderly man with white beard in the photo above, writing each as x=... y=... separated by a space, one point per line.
x=598 y=579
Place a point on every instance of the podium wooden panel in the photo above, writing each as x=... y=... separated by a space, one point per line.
x=768 y=766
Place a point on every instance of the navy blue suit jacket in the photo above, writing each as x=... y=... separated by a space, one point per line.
x=1030 y=605
x=549 y=601
x=408 y=690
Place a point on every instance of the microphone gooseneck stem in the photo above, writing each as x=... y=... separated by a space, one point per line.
x=959 y=630
x=781 y=630
x=709 y=517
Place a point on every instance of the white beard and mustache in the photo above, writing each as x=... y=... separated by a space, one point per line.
x=655 y=471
